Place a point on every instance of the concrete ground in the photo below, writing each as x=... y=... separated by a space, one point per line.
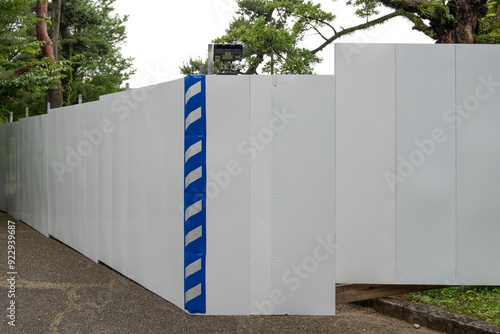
x=58 y=290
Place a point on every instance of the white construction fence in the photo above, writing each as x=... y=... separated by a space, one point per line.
x=256 y=194
x=112 y=179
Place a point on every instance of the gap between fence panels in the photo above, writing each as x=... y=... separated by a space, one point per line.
x=349 y=293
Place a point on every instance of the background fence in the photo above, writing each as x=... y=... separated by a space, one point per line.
x=418 y=163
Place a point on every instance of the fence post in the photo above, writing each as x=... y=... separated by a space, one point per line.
x=210 y=59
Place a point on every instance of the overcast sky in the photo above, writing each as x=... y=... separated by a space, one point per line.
x=163 y=34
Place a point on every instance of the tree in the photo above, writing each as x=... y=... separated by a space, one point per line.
x=85 y=34
x=54 y=94
x=489 y=25
x=91 y=32
x=269 y=28
x=24 y=74
x=452 y=21
x=195 y=66
x=366 y=8
x=274 y=30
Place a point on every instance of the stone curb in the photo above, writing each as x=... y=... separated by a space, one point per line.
x=430 y=316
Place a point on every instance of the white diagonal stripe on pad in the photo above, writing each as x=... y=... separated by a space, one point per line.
x=192 y=210
x=193 y=117
x=193 y=292
x=192 y=268
x=193 y=235
x=193 y=176
x=192 y=91
x=192 y=151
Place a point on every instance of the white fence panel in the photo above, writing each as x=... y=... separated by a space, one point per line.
x=9 y=168
x=29 y=168
x=62 y=230
x=73 y=161
x=303 y=185
x=446 y=177
x=23 y=189
x=137 y=258
x=52 y=172
x=163 y=269
x=44 y=175
x=478 y=164
x=105 y=210
x=165 y=192
x=121 y=108
x=93 y=136
x=365 y=149
x=20 y=189
x=35 y=166
x=228 y=184
x=81 y=148
x=425 y=164
x=261 y=112
x=14 y=151
x=18 y=165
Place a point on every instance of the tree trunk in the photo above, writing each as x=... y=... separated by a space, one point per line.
x=467 y=14
x=448 y=36
x=457 y=21
x=253 y=70
x=65 y=51
x=56 y=22
x=54 y=95
x=467 y=19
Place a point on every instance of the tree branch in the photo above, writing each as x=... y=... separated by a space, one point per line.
x=319 y=33
x=322 y=22
x=409 y=6
x=279 y=55
x=419 y=24
x=348 y=31
x=54 y=95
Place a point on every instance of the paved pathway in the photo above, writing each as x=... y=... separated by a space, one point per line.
x=58 y=290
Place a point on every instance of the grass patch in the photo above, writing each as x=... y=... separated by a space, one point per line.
x=481 y=302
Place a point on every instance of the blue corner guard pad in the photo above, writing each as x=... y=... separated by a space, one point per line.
x=195 y=195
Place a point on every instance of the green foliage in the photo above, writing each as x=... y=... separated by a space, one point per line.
x=271 y=32
x=298 y=61
x=481 y=302
x=436 y=11
x=489 y=28
x=90 y=61
x=22 y=71
x=365 y=8
x=193 y=66
x=91 y=31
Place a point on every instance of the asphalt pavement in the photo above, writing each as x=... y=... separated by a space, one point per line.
x=52 y=288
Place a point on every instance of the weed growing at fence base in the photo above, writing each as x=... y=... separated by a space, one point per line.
x=482 y=302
